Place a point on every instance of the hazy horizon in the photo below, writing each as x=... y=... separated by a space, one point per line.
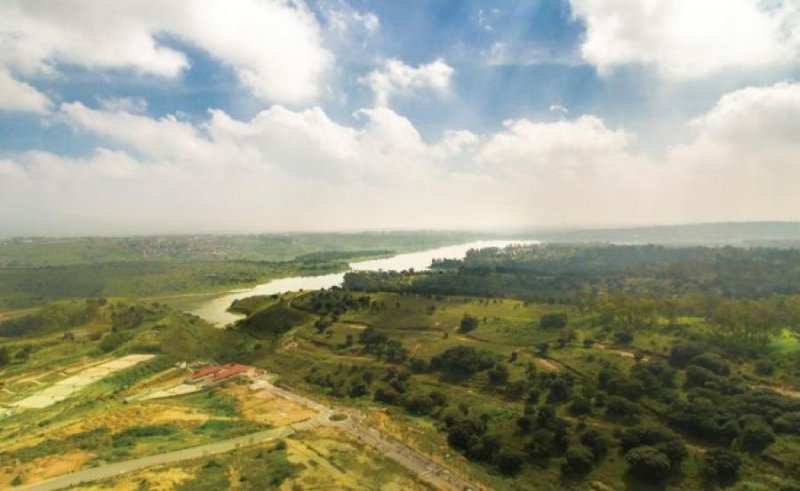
x=267 y=116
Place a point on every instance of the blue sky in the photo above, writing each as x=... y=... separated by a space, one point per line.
x=465 y=113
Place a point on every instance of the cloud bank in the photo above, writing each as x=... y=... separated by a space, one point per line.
x=299 y=169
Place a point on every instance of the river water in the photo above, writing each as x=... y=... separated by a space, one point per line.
x=216 y=310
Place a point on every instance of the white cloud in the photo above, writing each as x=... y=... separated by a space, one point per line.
x=571 y=145
x=342 y=19
x=19 y=96
x=559 y=109
x=273 y=46
x=288 y=169
x=689 y=38
x=136 y=105
x=395 y=77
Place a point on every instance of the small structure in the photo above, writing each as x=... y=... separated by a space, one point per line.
x=214 y=374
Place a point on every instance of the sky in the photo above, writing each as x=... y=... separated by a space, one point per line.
x=247 y=116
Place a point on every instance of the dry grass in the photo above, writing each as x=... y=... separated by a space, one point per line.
x=45 y=467
x=332 y=462
x=263 y=407
x=156 y=479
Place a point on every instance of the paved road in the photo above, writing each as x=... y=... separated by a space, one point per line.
x=419 y=464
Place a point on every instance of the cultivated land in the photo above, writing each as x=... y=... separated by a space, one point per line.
x=548 y=367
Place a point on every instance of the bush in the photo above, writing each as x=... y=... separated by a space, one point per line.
x=462 y=361
x=765 y=367
x=619 y=407
x=648 y=464
x=623 y=337
x=756 y=436
x=468 y=323
x=713 y=362
x=788 y=423
x=553 y=321
x=721 y=464
x=578 y=462
x=596 y=442
x=112 y=341
x=681 y=354
x=509 y=461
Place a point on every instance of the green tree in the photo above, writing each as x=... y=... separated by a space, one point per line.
x=553 y=321
x=648 y=464
x=468 y=323
x=756 y=436
x=721 y=464
x=578 y=462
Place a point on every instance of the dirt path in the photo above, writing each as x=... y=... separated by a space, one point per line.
x=11 y=314
x=784 y=391
x=620 y=352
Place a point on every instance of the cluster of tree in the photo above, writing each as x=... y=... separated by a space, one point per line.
x=653 y=453
x=462 y=361
x=379 y=344
x=333 y=302
x=272 y=321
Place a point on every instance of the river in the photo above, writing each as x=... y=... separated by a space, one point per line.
x=216 y=310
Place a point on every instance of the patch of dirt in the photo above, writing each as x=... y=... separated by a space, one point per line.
x=45 y=467
x=262 y=407
x=784 y=391
x=290 y=344
x=619 y=352
x=547 y=365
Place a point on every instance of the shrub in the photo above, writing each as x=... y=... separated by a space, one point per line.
x=596 y=442
x=112 y=341
x=619 y=407
x=468 y=323
x=648 y=464
x=788 y=423
x=721 y=464
x=765 y=367
x=509 y=461
x=578 y=461
x=553 y=321
x=756 y=436
x=623 y=337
